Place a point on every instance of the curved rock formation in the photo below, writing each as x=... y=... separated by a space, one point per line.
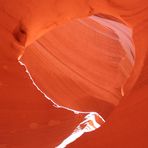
x=85 y=55
x=75 y=64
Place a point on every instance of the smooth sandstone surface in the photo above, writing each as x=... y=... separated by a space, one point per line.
x=74 y=59
x=78 y=72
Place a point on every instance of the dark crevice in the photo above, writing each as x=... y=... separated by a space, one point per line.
x=20 y=34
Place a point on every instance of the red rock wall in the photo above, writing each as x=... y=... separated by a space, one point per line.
x=75 y=64
x=27 y=119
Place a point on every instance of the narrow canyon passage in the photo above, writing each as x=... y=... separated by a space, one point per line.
x=88 y=56
x=75 y=69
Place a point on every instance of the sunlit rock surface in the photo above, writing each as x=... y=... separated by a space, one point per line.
x=82 y=65
x=83 y=55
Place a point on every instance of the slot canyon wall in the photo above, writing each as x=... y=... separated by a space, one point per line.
x=89 y=56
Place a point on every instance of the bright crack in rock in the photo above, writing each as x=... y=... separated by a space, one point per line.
x=89 y=124
x=93 y=120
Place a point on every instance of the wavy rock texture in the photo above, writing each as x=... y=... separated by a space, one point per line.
x=75 y=64
x=93 y=57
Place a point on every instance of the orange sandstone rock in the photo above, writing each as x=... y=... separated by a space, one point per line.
x=81 y=62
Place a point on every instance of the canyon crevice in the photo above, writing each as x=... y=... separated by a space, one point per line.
x=89 y=56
